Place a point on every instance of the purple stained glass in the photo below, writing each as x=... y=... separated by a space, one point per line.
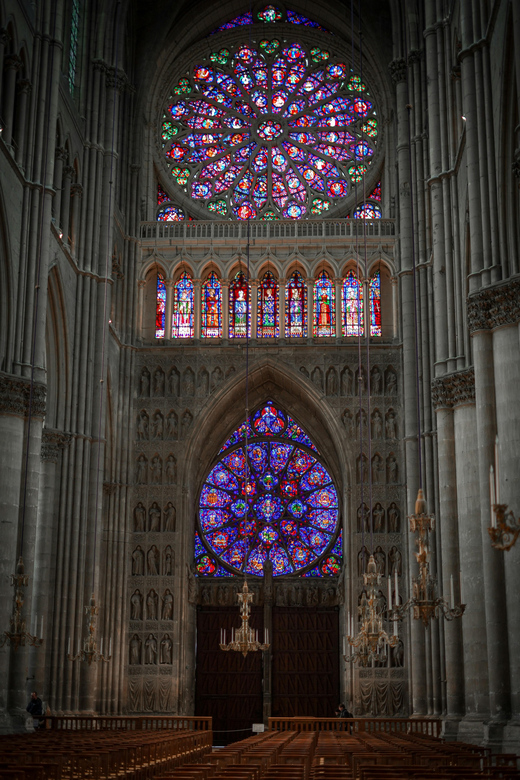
x=352 y=306
x=199 y=548
x=278 y=502
x=170 y=214
x=211 y=308
x=238 y=435
x=239 y=307
x=267 y=326
x=375 y=304
x=367 y=211
x=324 y=306
x=183 y=308
x=296 y=306
x=338 y=545
x=160 y=307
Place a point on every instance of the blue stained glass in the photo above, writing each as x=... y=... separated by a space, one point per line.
x=279 y=455
x=375 y=304
x=248 y=527
x=183 y=308
x=211 y=308
x=213 y=518
x=331 y=565
x=236 y=554
x=255 y=563
x=268 y=481
x=280 y=561
x=289 y=528
x=160 y=307
x=212 y=497
x=239 y=307
x=268 y=536
x=325 y=519
x=324 y=306
x=300 y=554
x=316 y=572
x=199 y=547
x=352 y=306
x=258 y=455
x=317 y=540
x=338 y=545
x=300 y=462
x=221 y=540
x=222 y=478
x=268 y=508
x=269 y=421
x=295 y=306
x=267 y=326
x=294 y=431
x=323 y=499
x=316 y=477
x=206 y=565
x=297 y=508
x=239 y=508
x=289 y=488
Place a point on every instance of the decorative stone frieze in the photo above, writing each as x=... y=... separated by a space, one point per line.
x=454 y=389
x=52 y=443
x=15 y=396
x=495 y=306
x=397 y=70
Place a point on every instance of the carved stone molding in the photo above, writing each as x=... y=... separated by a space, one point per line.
x=52 y=442
x=76 y=190
x=13 y=62
x=24 y=86
x=414 y=56
x=454 y=389
x=495 y=306
x=15 y=394
x=397 y=70
x=516 y=164
x=287 y=593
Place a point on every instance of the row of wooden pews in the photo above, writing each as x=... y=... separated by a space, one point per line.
x=99 y=755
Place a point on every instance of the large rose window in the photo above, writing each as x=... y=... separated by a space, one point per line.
x=273 y=500
x=270 y=130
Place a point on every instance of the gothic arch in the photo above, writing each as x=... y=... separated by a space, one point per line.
x=57 y=354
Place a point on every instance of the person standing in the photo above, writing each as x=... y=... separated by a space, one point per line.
x=35 y=708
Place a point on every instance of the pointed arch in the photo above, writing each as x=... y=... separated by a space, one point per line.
x=296 y=306
x=183 y=307
x=268 y=318
x=324 y=317
x=239 y=307
x=211 y=308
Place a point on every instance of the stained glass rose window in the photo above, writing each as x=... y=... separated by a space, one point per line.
x=272 y=499
x=269 y=130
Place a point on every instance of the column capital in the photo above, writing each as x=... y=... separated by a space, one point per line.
x=454 y=389
x=52 y=442
x=15 y=396
x=141 y=283
x=13 y=62
x=495 y=306
x=414 y=56
x=76 y=190
x=397 y=70
x=4 y=37
x=61 y=153
x=68 y=171
x=24 y=86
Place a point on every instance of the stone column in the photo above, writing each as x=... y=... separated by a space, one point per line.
x=12 y=64
x=68 y=173
x=196 y=308
x=281 y=308
x=76 y=193
x=141 y=284
x=23 y=87
x=168 y=309
x=339 y=313
x=60 y=158
x=4 y=41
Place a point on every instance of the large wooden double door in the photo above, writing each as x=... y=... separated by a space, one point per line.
x=298 y=676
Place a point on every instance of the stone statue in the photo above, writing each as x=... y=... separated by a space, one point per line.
x=192 y=586
x=347 y=421
x=376 y=381
x=157 y=425
x=216 y=377
x=392 y=470
x=151 y=605
x=203 y=382
x=380 y=560
x=188 y=382
x=391 y=425
x=173 y=382
x=156 y=469
x=138 y=561
x=158 y=382
x=166 y=650
x=150 y=650
x=362 y=464
x=172 y=425
x=332 y=381
x=171 y=470
x=152 y=560
x=377 y=425
x=142 y=426
x=167 y=605
x=154 y=518
x=169 y=517
x=395 y=561
x=139 y=518
x=378 y=514
x=391 y=382
x=377 y=469
x=346 y=381
x=187 y=419
x=141 y=472
x=397 y=657
x=135 y=650
x=168 y=561
x=363 y=519
x=145 y=383
x=393 y=518
x=136 y=605
x=361 y=381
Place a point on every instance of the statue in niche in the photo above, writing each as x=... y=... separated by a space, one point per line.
x=347 y=421
x=171 y=470
x=154 y=518
x=304 y=371
x=363 y=516
x=149 y=694
x=169 y=517
x=377 y=469
x=216 y=377
x=362 y=561
x=332 y=381
x=346 y=381
x=391 y=468
x=141 y=471
x=362 y=468
x=361 y=381
x=152 y=601
x=393 y=518
x=136 y=605
x=157 y=425
x=166 y=649
x=230 y=371
x=152 y=560
x=395 y=561
x=142 y=426
x=363 y=419
x=138 y=561
x=172 y=425
x=167 y=605
x=158 y=382
x=380 y=560
x=397 y=655
x=173 y=382
x=168 y=561
x=377 y=425
x=187 y=419
x=203 y=382
x=205 y=596
x=378 y=515
x=317 y=377
x=391 y=425
x=188 y=382
x=391 y=382
x=192 y=586
x=376 y=381
x=156 y=469
x=222 y=596
x=150 y=649
x=144 y=389
x=313 y=595
x=139 y=518
x=135 y=650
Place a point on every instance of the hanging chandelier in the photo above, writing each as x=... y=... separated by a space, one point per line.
x=244 y=639
x=90 y=653
x=372 y=641
x=505 y=527
x=18 y=636
x=424 y=603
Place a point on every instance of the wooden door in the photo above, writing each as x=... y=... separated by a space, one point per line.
x=305 y=671
x=228 y=686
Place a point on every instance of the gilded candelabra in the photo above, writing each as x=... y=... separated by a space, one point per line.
x=90 y=653
x=244 y=639
x=18 y=636
x=505 y=527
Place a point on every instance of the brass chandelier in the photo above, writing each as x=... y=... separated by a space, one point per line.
x=89 y=652
x=18 y=636
x=244 y=639
x=505 y=527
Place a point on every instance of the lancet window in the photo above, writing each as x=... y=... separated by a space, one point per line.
x=324 y=306
x=160 y=307
x=296 y=306
x=183 y=309
x=375 y=304
x=268 y=316
x=352 y=305
x=211 y=308
x=239 y=307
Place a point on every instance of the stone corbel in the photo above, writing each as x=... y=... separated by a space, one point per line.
x=52 y=443
x=454 y=389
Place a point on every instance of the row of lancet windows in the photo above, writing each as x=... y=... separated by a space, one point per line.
x=275 y=307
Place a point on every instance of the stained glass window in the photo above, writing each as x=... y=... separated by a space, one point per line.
x=170 y=214
x=352 y=306
x=268 y=317
x=375 y=304
x=367 y=211
x=73 y=48
x=239 y=307
x=270 y=14
x=268 y=130
x=182 y=308
x=160 y=307
x=211 y=308
x=272 y=500
x=162 y=196
x=296 y=306
x=324 y=306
